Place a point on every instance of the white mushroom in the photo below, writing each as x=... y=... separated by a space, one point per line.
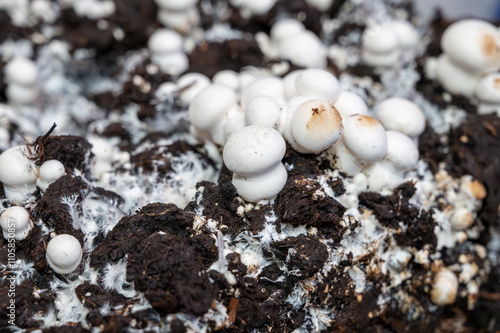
x=264 y=86
x=444 y=288
x=349 y=103
x=18 y=174
x=181 y=21
x=190 y=85
x=21 y=74
x=388 y=173
x=363 y=141
x=402 y=115
x=318 y=84
x=455 y=79
x=473 y=44
x=314 y=127
x=380 y=45
x=254 y=155
x=265 y=111
x=64 y=253
x=209 y=111
x=227 y=78
x=461 y=218
x=50 y=171
x=487 y=92
x=304 y=49
x=16 y=223
x=166 y=47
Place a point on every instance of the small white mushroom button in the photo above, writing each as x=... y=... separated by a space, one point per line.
x=363 y=141
x=265 y=111
x=266 y=86
x=388 y=173
x=254 y=155
x=487 y=92
x=50 y=171
x=349 y=103
x=380 y=45
x=190 y=85
x=166 y=47
x=64 y=253
x=402 y=115
x=210 y=110
x=18 y=173
x=21 y=75
x=314 y=127
x=444 y=288
x=15 y=222
x=317 y=83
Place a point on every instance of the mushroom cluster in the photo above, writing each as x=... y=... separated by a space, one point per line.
x=387 y=44
x=471 y=51
x=313 y=114
x=290 y=40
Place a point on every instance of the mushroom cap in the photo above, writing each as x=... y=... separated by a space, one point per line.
x=315 y=126
x=317 y=83
x=264 y=86
x=365 y=138
x=402 y=152
x=228 y=78
x=190 y=85
x=21 y=71
x=176 y=5
x=286 y=28
x=211 y=105
x=253 y=150
x=174 y=63
x=444 y=288
x=488 y=89
x=64 y=253
x=19 y=94
x=379 y=38
x=349 y=103
x=264 y=111
x=263 y=186
x=289 y=83
x=402 y=115
x=181 y=21
x=16 y=170
x=473 y=44
x=17 y=218
x=164 y=41
x=51 y=170
x=304 y=49
x=454 y=78
x=406 y=33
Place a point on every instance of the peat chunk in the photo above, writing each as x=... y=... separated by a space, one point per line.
x=169 y=270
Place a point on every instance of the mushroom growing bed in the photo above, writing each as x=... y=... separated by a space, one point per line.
x=247 y=166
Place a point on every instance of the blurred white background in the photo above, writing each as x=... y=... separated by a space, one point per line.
x=454 y=9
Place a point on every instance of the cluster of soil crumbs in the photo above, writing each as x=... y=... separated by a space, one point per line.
x=168 y=244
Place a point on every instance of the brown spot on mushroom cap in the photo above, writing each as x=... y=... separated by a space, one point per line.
x=489 y=45
x=496 y=83
x=367 y=121
x=325 y=120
